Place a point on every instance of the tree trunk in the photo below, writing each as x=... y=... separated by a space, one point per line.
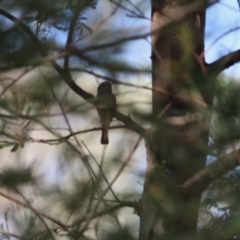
x=178 y=140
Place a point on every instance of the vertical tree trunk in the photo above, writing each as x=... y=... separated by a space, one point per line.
x=177 y=142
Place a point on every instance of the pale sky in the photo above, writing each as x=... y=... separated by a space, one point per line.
x=222 y=37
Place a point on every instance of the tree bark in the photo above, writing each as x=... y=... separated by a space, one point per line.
x=178 y=140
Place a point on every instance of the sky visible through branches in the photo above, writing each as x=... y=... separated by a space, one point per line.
x=222 y=37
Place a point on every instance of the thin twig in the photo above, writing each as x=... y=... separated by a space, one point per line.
x=101 y=170
x=111 y=183
x=71 y=31
x=64 y=139
x=10 y=234
x=26 y=206
x=36 y=212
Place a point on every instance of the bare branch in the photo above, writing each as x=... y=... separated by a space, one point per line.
x=10 y=234
x=71 y=31
x=66 y=76
x=27 y=206
x=224 y=62
x=88 y=220
x=101 y=172
x=204 y=177
x=177 y=14
x=36 y=212
x=106 y=211
x=65 y=138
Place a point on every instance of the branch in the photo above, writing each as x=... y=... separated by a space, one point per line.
x=224 y=62
x=201 y=180
x=86 y=217
x=70 y=32
x=26 y=206
x=101 y=198
x=42 y=50
x=92 y=216
x=176 y=14
x=9 y=234
x=36 y=213
x=65 y=138
x=66 y=76
x=129 y=123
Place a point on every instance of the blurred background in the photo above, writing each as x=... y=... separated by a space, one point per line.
x=65 y=177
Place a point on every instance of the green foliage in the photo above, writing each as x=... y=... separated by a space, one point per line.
x=226 y=125
x=78 y=197
x=119 y=234
x=222 y=203
x=11 y=178
x=222 y=209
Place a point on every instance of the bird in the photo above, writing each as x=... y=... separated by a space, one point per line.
x=106 y=106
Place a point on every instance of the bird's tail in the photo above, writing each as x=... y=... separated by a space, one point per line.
x=104 y=138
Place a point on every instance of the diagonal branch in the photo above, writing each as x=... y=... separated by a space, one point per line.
x=201 y=180
x=71 y=31
x=224 y=62
x=36 y=212
x=178 y=14
x=42 y=50
x=27 y=206
x=66 y=76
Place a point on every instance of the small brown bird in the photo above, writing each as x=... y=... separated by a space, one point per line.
x=106 y=106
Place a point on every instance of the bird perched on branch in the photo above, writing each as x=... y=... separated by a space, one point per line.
x=106 y=106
